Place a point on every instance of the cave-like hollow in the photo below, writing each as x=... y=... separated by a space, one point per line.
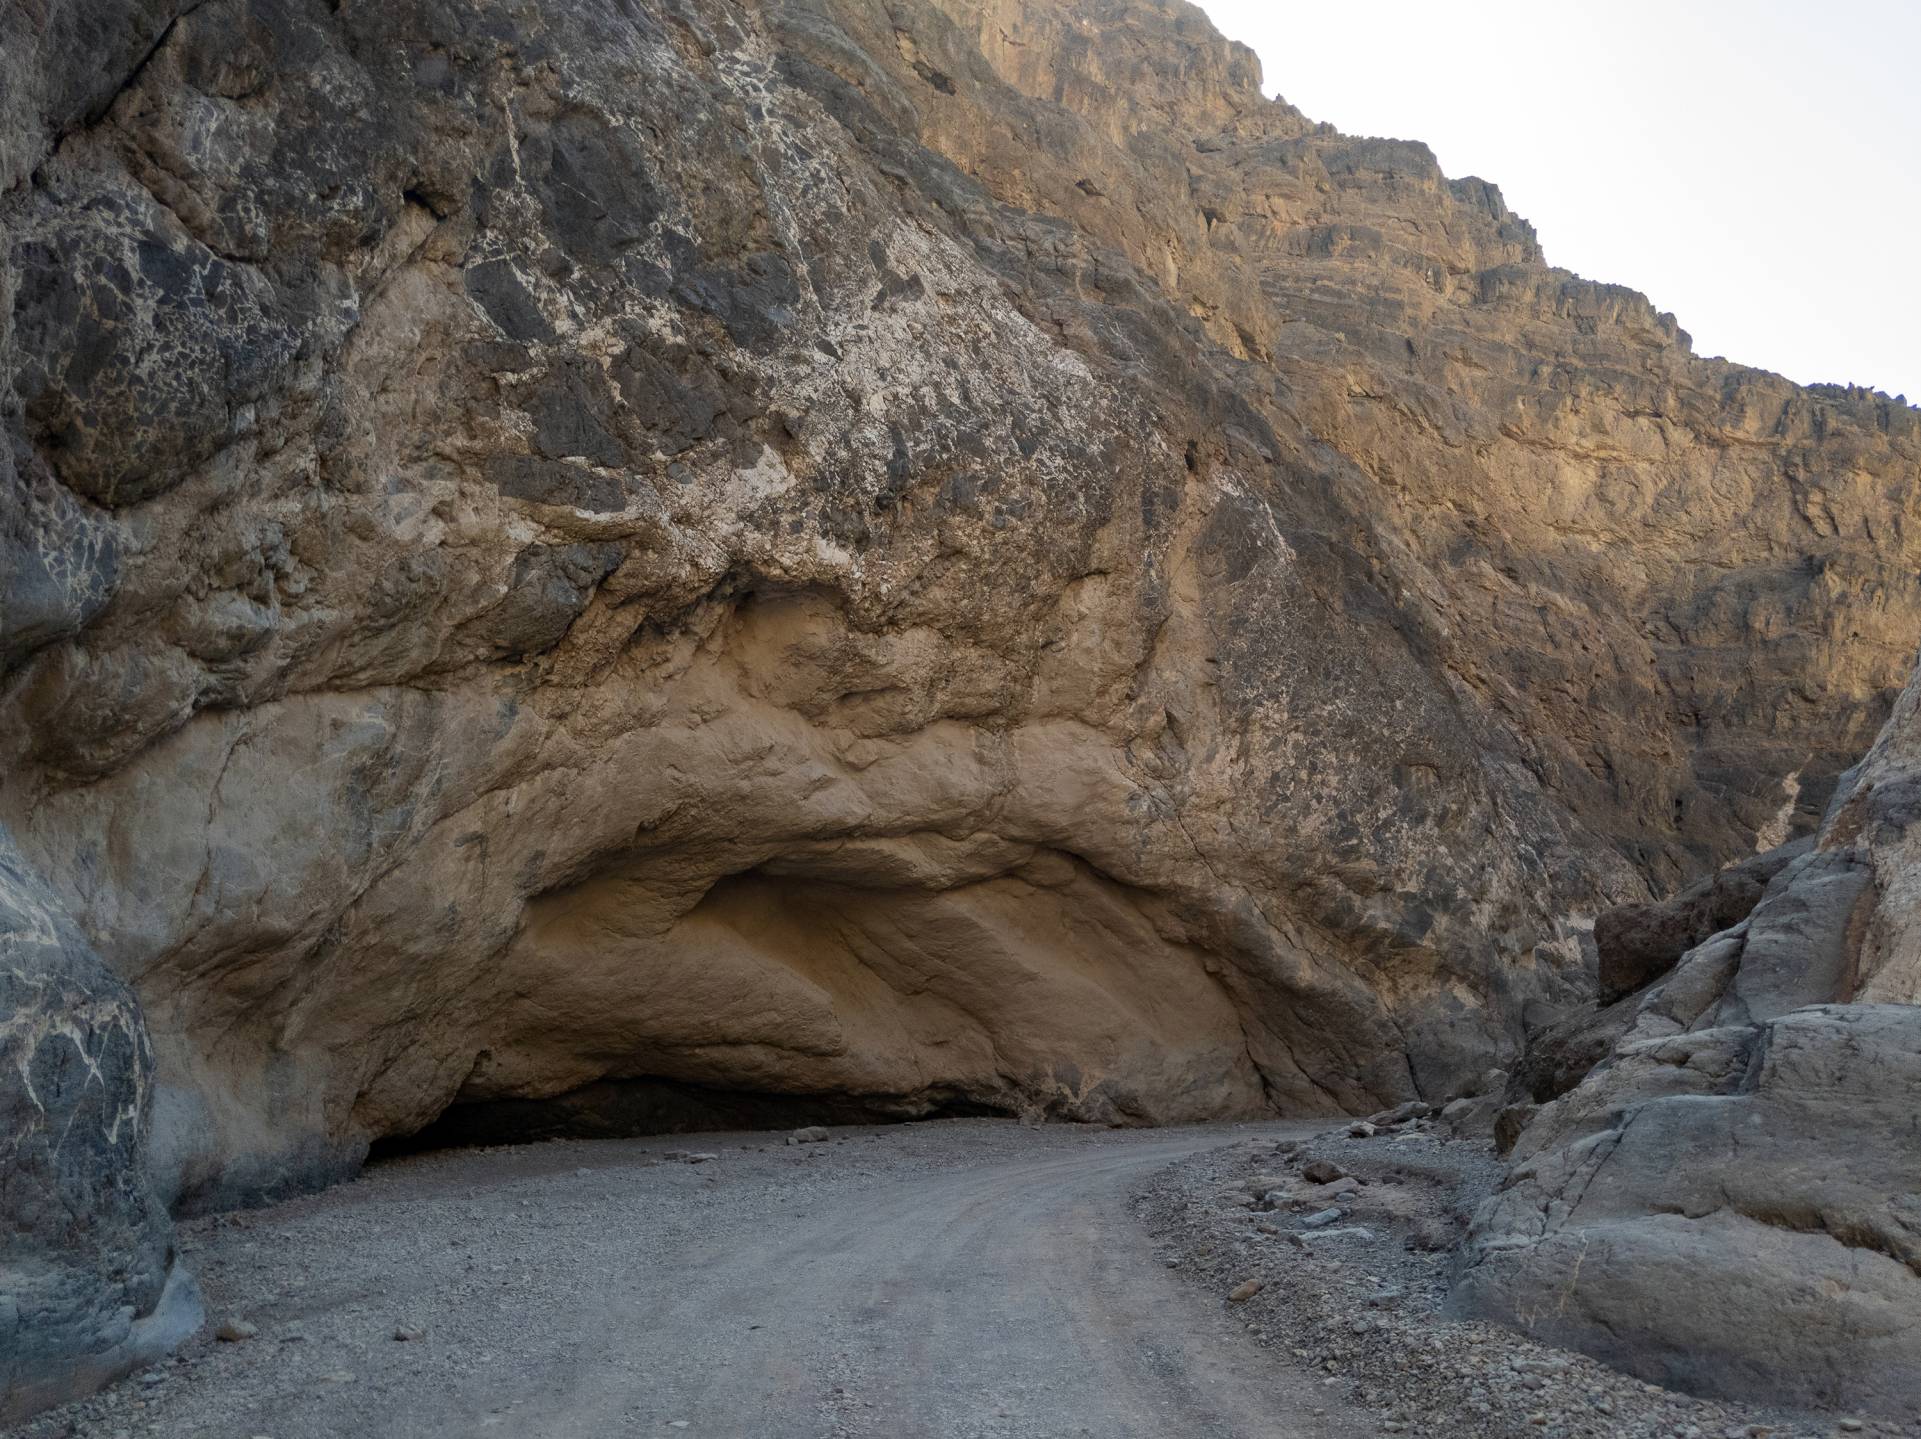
x=867 y=982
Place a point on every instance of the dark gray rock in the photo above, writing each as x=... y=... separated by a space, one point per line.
x=497 y=287
x=1561 y=1055
x=43 y=93
x=1638 y=943
x=89 y=1285
x=549 y=587
x=1741 y=1219
x=144 y=352
x=58 y=560
x=596 y=184
x=1509 y=1124
x=572 y=409
x=556 y=482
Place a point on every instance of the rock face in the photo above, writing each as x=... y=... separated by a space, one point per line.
x=1745 y=1224
x=1638 y=943
x=918 y=555
x=1731 y=1201
x=88 y=1283
x=1635 y=945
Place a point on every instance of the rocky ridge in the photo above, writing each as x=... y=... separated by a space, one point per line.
x=941 y=555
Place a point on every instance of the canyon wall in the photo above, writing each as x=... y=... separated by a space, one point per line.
x=935 y=554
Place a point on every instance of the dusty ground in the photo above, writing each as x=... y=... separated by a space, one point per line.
x=1358 y=1299
x=949 y=1280
x=969 y=1279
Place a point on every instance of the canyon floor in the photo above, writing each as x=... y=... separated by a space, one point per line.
x=955 y=1279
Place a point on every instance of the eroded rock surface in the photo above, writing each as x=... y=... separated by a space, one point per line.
x=1742 y=1221
x=1731 y=1201
x=1638 y=943
x=932 y=554
x=88 y=1283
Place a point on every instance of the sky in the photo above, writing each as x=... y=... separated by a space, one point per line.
x=1754 y=167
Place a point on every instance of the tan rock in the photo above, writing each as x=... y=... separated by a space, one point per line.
x=1045 y=582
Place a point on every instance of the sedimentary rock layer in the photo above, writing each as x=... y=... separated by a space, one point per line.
x=919 y=553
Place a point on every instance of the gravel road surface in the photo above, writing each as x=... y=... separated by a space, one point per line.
x=955 y=1279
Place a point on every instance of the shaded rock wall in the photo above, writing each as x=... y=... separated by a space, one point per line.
x=1635 y=944
x=930 y=553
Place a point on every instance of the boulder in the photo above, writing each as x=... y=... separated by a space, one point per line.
x=1560 y=1055
x=1401 y=1114
x=1510 y=1123
x=1638 y=943
x=89 y=1283
x=1741 y=1217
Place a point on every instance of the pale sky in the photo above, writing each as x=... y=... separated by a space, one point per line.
x=1754 y=167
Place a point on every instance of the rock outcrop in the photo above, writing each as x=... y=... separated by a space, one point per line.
x=1731 y=1201
x=89 y=1287
x=1636 y=944
x=1736 y=1214
x=933 y=554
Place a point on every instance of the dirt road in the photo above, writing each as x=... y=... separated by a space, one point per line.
x=949 y=1280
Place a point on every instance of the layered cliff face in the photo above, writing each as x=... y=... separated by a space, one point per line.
x=937 y=554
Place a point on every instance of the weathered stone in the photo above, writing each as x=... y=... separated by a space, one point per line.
x=89 y=1286
x=1401 y=1113
x=59 y=560
x=1727 y=1202
x=1562 y=1054
x=1762 y=1245
x=930 y=557
x=1639 y=943
x=1472 y=1116
x=1509 y=1123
